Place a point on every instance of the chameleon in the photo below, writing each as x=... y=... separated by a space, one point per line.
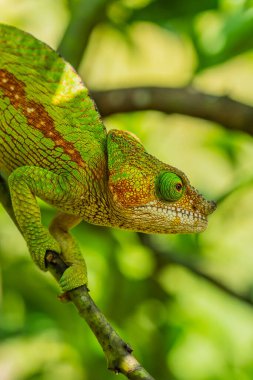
x=54 y=146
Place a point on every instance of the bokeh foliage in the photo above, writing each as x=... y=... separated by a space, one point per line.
x=163 y=301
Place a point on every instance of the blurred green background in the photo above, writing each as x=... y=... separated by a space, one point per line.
x=184 y=303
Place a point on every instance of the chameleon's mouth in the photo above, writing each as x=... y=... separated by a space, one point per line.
x=171 y=219
x=174 y=212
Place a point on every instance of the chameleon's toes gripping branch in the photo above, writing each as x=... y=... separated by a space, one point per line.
x=69 y=277
x=74 y=272
x=73 y=277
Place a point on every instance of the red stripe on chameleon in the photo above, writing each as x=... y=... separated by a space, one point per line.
x=36 y=114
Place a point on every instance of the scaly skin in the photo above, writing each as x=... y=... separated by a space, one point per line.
x=53 y=145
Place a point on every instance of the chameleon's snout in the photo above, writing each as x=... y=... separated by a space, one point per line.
x=205 y=207
x=210 y=207
x=200 y=203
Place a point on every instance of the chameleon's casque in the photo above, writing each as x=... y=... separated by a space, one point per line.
x=53 y=145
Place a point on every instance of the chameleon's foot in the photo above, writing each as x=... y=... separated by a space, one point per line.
x=40 y=248
x=73 y=277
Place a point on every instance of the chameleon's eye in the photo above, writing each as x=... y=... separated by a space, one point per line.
x=169 y=186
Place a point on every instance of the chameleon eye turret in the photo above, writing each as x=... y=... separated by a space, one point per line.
x=169 y=186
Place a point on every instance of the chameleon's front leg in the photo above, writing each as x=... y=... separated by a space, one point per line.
x=25 y=184
x=76 y=274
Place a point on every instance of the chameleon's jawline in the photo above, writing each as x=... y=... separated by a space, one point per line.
x=155 y=220
x=171 y=219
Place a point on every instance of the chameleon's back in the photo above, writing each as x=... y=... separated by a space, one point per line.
x=46 y=115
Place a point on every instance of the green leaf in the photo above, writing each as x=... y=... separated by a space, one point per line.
x=233 y=37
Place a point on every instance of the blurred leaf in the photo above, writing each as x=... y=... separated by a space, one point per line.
x=160 y=11
x=232 y=37
x=167 y=14
x=217 y=35
x=229 y=145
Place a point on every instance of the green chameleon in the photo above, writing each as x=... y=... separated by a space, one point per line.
x=53 y=145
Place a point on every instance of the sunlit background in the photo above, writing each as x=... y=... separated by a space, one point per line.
x=188 y=311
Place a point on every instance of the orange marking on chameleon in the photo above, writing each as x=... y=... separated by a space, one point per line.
x=127 y=195
x=36 y=114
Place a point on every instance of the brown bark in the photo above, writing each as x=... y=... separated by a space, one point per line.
x=186 y=100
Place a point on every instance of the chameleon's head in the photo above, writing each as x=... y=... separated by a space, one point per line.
x=147 y=195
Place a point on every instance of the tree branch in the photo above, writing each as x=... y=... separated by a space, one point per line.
x=117 y=352
x=186 y=100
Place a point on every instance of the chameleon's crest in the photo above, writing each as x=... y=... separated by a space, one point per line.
x=128 y=181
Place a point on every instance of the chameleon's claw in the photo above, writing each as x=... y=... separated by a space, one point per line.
x=73 y=277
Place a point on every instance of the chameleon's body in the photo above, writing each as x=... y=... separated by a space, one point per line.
x=53 y=145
